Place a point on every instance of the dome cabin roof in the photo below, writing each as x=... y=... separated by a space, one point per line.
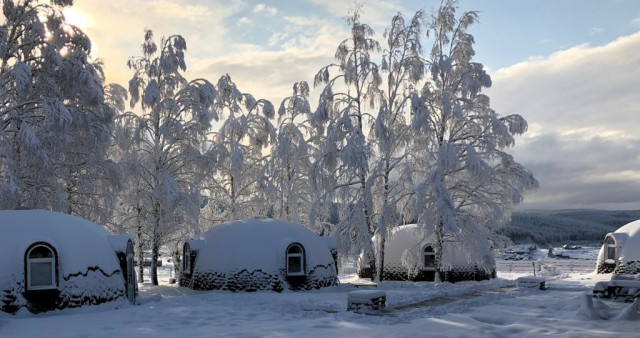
x=50 y=260
x=257 y=244
x=260 y=247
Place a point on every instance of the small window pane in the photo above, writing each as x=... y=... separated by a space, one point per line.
x=41 y=273
x=611 y=252
x=429 y=260
x=295 y=249
x=40 y=252
x=294 y=264
x=428 y=249
x=611 y=241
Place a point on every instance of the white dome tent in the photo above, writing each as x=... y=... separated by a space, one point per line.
x=620 y=252
x=408 y=257
x=258 y=254
x=50 y=260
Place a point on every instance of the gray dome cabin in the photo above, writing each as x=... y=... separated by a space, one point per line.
x=50 y=260
x=407 y=257
x=258 y=254
x=620 y=252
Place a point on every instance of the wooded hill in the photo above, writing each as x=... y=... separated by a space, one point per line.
x=561 y=226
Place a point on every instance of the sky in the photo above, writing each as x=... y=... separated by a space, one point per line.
x=570 y=67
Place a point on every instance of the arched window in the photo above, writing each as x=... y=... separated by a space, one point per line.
x=295 y=260
x=41 y=264
x=186 y=259
x=610 y=248
x=429 y=258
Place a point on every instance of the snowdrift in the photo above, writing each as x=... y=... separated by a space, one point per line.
x=50 y=260
x=259 y=254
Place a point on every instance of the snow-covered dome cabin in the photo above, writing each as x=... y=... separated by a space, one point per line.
x=258 y=254
x=408 y=257
x=50 y=260
x=620 y=252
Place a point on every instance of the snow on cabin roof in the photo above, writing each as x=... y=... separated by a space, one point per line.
x=78 y=242
x=631 y=229
x=628 y=239
x=119 y=242
x=258 y=244
x=195 y=244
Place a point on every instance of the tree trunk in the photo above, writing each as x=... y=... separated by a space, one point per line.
x=380 y=260
x=140 y=247
x=383 y=234
x=154 y=263
x=438 y=250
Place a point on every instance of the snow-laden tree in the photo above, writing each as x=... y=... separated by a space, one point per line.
x=403 y=66
x=175 y=114
x=128 y=215
x=351 y=86
x=290 y=159
x=467 y=183
x=55 y=124
x=235 y=187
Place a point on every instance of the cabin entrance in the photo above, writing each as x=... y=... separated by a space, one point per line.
x=131 y=275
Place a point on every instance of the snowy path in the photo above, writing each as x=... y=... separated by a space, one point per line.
x=438 y=301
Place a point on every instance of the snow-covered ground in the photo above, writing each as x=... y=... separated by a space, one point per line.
x=171 y=311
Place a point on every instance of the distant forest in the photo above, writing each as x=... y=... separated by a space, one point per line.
x=563 y=226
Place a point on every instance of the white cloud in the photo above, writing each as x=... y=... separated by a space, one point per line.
x=243 y=21
x=264 y=74
x=277 y=38
x=262 y=8
x=582 y=107
x=118 y=26
x=596 y=30
x=636 y=21
x=303 y=46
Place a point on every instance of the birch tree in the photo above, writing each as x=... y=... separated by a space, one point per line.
x=234 y=188
x=290 y=160
x=175 y=115
x=350 y=87
x=467 y=182
x=404 y=69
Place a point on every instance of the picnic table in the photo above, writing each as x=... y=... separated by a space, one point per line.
x=616 y=288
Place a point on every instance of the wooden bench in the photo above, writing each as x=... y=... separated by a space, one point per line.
x=366 y=300
x=624 y=288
